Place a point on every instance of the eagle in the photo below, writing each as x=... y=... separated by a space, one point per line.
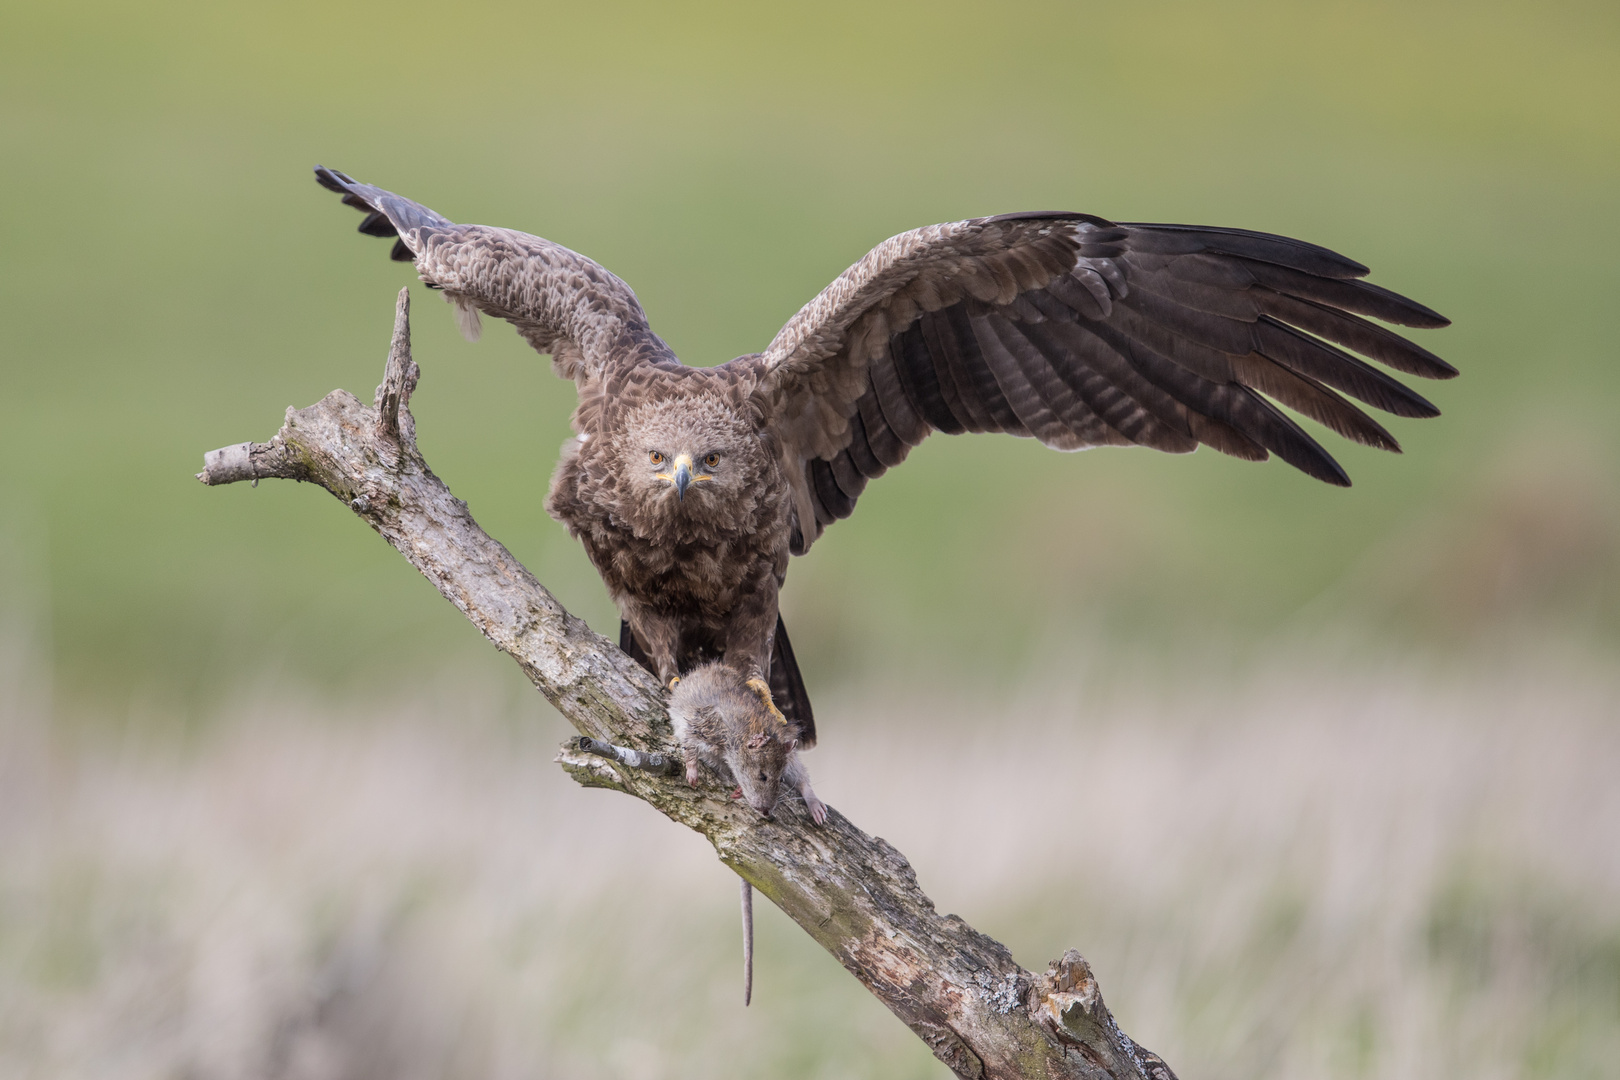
x=691 y=487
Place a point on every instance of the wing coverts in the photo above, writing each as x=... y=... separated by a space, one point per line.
x=1081 y=332
x=561 y=302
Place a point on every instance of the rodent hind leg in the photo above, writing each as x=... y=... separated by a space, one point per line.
x=797 y=777
x=818 y=809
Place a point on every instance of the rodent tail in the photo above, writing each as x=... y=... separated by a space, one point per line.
x=748 y=941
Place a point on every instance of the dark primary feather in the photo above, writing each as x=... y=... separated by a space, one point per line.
x=1266 y=247
x=387 y=214
x=1168 y=336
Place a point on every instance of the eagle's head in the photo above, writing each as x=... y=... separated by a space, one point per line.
x=691 y=461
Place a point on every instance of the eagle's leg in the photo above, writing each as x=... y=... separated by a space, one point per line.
x=659 y=636
x=749 y=640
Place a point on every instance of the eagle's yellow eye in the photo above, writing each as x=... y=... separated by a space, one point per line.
x=657 y=458
x=711 y=461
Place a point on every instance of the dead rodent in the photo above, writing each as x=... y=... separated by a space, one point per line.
x=724 y=724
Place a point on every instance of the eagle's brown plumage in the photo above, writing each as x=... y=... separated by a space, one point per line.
x=1069 y=328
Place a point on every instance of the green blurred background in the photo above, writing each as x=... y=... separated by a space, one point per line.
x=1378 y=723
x=174 y=279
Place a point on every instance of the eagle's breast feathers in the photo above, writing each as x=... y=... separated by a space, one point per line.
x=643 y=539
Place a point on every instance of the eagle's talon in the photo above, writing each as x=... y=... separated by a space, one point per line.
x=673 y=682
x=762 y=690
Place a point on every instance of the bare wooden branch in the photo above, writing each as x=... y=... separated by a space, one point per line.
x=960 y=991
x=394 y=421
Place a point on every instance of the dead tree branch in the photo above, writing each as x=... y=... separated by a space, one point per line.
x=958 y=990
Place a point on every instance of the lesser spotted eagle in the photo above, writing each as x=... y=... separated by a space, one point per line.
x=690 y=487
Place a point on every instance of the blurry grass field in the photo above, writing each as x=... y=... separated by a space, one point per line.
x=1352 y=751
x=1307 y=870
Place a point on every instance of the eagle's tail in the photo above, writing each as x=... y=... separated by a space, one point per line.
x=387 y=214
x=787 y=688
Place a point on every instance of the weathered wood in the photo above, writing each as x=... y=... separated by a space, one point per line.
x=960 y=991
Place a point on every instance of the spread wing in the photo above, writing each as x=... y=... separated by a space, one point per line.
x=1082 y=332
x=561 y=302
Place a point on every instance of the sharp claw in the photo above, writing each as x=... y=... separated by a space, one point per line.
x=762 y=690
x=674 y=682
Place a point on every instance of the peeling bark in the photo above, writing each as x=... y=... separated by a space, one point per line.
x=959 y=991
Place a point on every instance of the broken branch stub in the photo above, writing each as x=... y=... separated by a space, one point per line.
x=959 y=991
x=394 y=421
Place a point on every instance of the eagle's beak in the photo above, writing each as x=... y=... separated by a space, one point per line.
x=683 y=475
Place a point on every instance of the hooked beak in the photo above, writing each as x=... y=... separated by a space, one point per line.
x=683 y=475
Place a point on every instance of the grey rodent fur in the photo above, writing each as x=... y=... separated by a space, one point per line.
x=725 y=725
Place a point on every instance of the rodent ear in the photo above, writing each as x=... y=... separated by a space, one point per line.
x=757 y=740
